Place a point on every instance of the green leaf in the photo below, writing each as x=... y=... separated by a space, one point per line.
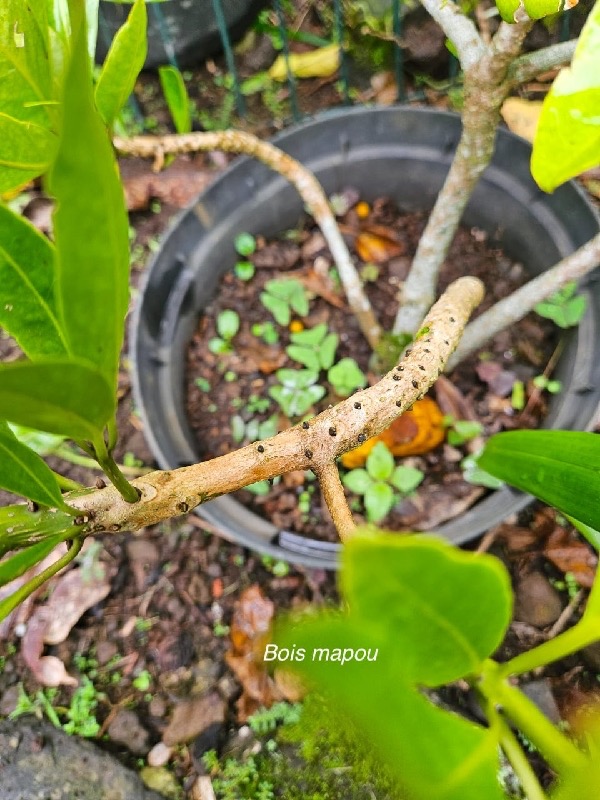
x=310 y=336
x=473 y=473
x=327 y=350
x=278 y=307
x=58 y=396
x=299 y=302
x=402 y=586
x=346 y=376
x=123 y=64
x=27 y=110
x=379 y=499
x=567 y=141
x=411 y=604
x=591 y=534
x=357 y=481
x=26 y=276
x=238 y=429
x=304 y=355
x=177 y=98
x=90 y=222
x=24 y=473
x=380 y=462
x=268 y=428
x=16 y=565
x=228 y=324
x=19 y=526
x=406 y=479
x=44 y=444
x=297 y=378
x=245 y=244
x=562 y=468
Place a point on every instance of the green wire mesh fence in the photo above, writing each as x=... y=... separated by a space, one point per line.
x=220 y=22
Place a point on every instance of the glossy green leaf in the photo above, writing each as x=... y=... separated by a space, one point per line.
x=19 y=526
x=402 y=586
x=379 y=499
x=24 y=473
x=591 y=534
x=567 y=141
x=57 y=396
x=327 y=350
x=357 y=481
x=380 y=462
x=26 y=276
x=537 y=9
x=411 y=606
x=310 y=336
x=228 y=323
x=278 y=307
x=14 y=566
x=90 y=223
x=27 y=109
x=177 y=98
x=562 y=468
x=297 y=378
x=123 y=64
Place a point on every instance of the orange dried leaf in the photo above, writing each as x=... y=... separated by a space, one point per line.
x=415 y=432
x=373 y=247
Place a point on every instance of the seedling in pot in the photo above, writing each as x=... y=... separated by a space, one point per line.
x=228 y=324
x=378 y=482
x=245 y=245
x=461 y=431
x=314 y=348
x=265 y=331
x=282 y=296
x=297 y=391
x=565 y=308
x=543 y=383
x=346 y=377
x=253 y=430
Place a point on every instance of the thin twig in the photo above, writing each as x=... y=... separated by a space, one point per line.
x=566 y=614
x=308 y=187
x=511 y=309
x=529 y=66
x=461 y=31
x=335 y=499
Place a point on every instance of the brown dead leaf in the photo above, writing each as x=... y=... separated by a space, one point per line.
x=522 y=116
x=276 y=255
x=499 y=380
x=321 y=285
x=193 y=716
x=569 y=554
x=75 y=592
x=252 y=355
x=176 y=185
x=250 y=633
x=444 y=502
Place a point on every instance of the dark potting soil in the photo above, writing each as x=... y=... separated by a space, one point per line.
x=227 y=381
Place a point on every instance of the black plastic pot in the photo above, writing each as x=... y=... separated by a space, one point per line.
x=184 y=31
x=403 y=153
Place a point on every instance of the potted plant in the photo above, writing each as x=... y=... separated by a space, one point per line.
x=422 y=159
x=66 y=384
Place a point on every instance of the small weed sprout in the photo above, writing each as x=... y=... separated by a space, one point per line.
x=381 y=483
x=545 y=384
x=265 y=331
x=245 y=245
x=228 y=324
x=461 y=431
x=297 y=390
x=565 y=308
x=345 y=377
x=282 y=296
x=314 y=348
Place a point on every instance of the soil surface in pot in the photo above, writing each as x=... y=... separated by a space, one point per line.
x=228 y=393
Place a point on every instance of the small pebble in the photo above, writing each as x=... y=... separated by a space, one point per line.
x=159 y=755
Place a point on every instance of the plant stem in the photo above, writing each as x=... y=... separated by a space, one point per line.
x=529 y=66
x=66 y=484
x=511 y=309
x=459 y=29
x=335 y=499
x=560 y=753
x=518 y=760
x=65 y=452
x=111 y=469
x=166 y=494
x=22 y=593
x=485 y=87
x=307 y=185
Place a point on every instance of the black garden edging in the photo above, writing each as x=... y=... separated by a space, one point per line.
x=399 y=152
x=183 y=32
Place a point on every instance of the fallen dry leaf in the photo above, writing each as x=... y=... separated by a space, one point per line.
x=413 y=433
x=75 y=592
x=499 y=380
x=250 y=633
x=522 y=116
x=176 y=185
x=571 y=555
x=193 y=716
x=319 y=63
x=377 y=248
x=444 y=502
